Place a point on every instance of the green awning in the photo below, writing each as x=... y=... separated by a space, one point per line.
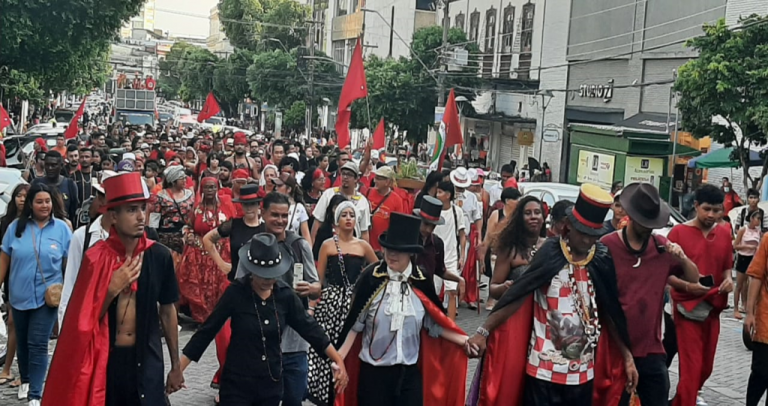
x=721 y=158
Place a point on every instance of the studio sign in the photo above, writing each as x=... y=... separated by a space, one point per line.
x=604 y=92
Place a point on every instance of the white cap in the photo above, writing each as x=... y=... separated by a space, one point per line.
x=144 y=146
x=294 y=155
x=129 y=155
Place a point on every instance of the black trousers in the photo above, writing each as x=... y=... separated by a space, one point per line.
x=398 y=385
x=670 y=338
x=543 y=393
x=243 y=391
x=122 y=378
x=653 y=387
x=758 y=379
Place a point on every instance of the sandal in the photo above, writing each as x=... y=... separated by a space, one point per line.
x=6 y=379
x=16 y=383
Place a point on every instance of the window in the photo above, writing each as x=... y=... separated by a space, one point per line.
x=356 y=6
x=341 y=8
x=425 y=5
x=138 y=25
x=490 y=30
x=508 y=28
x=459 y=23
x=526 y=37
x=338 y=54
x=474 y=22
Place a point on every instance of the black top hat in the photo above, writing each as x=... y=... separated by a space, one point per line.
x=248 y=194
x=261 y=256
x=588 y=214
x=644 y=206
x=430 y=211
x=405 y=234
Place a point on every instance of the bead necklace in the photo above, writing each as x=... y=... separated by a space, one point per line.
x=264 y=337
x=341 y=260
x=586 y=309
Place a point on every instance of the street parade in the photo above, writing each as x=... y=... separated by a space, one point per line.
x=425 y=203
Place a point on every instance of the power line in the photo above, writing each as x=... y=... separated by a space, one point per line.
x=229 y=20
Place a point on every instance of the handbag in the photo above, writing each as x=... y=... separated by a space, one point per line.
x=52 y=291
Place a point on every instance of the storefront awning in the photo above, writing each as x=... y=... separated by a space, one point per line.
x=721 y=158
x=650 y=122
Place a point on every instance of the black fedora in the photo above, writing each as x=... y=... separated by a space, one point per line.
x=262 y=257
x=430 y=211
x=588 y=213
x=403 y=234
x=644 y=206
x=248 y=194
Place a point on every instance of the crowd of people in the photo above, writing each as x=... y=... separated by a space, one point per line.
x=284 y=254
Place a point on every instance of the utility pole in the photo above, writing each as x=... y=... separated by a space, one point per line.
x=443 y=62
x=311 y=45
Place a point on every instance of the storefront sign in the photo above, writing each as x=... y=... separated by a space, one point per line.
x=595 y=168
x=604 y=92
x=525 y=138
x=639 y=169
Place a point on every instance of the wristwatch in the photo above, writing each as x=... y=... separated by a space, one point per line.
x=483 y=332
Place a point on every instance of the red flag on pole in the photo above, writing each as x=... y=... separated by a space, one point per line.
x=210 y=108
x=452 y=127
x=355 y=87
x=72 y=130
x=5 y=119
x=378 y=135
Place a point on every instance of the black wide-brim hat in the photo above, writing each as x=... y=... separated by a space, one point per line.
x=643 y=205
x=403 y=234
x=262 y=257
x=587 y=215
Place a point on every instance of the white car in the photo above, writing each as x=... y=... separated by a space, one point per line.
x=9 y=178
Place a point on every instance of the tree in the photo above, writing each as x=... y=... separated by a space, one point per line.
x=248 y=23
x=729 y=79
x=294 y=117
x=187 y=72
x=62 y=45
x=229 y=81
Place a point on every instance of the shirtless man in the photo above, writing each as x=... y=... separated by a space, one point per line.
x=240 y=160
x=132 y=281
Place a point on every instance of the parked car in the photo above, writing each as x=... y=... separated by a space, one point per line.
x=64 y=115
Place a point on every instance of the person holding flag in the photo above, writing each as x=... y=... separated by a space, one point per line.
x=449 y=133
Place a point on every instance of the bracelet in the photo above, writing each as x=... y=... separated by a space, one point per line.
x=483 y=332
x=311 y=308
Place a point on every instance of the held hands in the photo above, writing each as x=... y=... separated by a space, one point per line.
x=175 y=381
x=474 y=347
x=125 y=275
x=340 y=377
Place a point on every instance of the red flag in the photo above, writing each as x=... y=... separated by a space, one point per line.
x=355 y=87
x=72 y=130
x=210 y=108
x=452 y=127
x=5 y=119
x=378 y=135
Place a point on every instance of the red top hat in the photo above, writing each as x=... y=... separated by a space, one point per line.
x=125 y=187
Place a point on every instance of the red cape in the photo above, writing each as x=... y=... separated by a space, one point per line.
x=469 y=272
x=443 y=365
x=502 y=379
x=78 y=372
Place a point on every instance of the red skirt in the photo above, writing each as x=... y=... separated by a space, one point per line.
x=201 y=283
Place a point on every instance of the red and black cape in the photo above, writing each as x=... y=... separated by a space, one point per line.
x=500 y=376
x=78 y=372
x=443 y=364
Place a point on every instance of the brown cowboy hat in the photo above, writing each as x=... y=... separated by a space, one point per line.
x=644 y=206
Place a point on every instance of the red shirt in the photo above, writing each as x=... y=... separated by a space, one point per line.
x=383 y=209
x=713 y=254
x=732 y=200
x=641 y=290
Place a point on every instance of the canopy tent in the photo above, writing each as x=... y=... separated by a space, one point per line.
x=721 y=158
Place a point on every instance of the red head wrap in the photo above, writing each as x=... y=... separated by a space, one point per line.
x=41 y=143
x=240 y=138
x=511 y=182
x=209 y=181
x=318 y=173
x=169 y=155
x=240 y=174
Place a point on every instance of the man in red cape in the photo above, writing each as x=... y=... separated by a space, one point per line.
x=539 y=349
x=442 y=365
x=121 y=281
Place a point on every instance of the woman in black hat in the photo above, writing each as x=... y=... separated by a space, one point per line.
x=385 y=334
x=260 y=307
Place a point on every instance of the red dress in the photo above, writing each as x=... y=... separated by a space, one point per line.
x=201 y=283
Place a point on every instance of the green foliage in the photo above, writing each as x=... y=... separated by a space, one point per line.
x=22 y=86
x=188 y=71
x=294 y=118
x=229 y=81
x=61 y=44
x=730 y=79
x=247 y=22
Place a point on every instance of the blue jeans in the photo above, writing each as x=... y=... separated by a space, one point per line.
x=295 y=370
x=33 y=330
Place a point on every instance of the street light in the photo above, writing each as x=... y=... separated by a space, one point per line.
x=548 y=95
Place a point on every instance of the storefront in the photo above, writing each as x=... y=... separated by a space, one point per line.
x=603 y=154
x=493 y=143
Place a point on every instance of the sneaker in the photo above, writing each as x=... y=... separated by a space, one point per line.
x=23 y=391
x=34 y=402
x=700 y=401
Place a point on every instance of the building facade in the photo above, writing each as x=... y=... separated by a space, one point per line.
x=217 y=41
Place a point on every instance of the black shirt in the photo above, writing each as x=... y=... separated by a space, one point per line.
x=432 y=259
x=83 y=182
x=156 y=284
x=68 y=191
x=246 y=356
x=239 y=234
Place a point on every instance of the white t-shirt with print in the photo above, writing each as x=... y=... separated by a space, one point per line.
x=447 y=232
x=471 y=207
x=362 y=209
x=297 y=214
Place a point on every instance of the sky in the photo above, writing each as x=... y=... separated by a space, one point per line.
x=179 y=24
